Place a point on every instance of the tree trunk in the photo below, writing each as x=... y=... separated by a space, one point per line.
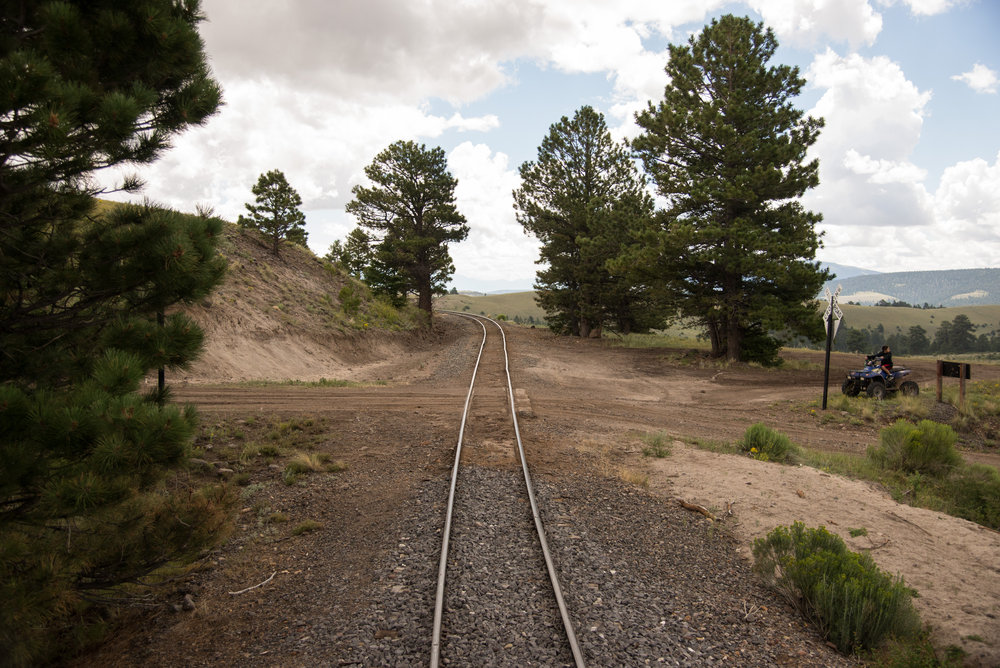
x=424 y=300
x=715 y=336
x=734 y=340
x=584 y=328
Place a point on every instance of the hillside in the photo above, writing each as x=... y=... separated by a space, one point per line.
x=289 y=316
x=986 y=318
x=957 y=287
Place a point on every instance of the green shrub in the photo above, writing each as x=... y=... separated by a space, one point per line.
x=766 y=444
x=852 y=602
x=927 y=447
x=760 y=347
x=306 y=526
x=657 y=445
x=975 y=492
x=350 y=301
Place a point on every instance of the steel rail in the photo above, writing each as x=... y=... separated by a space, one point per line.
x=443 y=564
x=539 y=527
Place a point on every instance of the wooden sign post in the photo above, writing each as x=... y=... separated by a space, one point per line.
x=959 y=370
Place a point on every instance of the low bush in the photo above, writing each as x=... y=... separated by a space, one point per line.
x=766 y=444
x=350 y=300
x=927 y=447
x=975 y=492
x=853 y=603
x=657 y=445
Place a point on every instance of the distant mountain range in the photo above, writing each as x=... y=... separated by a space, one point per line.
x=952 y=287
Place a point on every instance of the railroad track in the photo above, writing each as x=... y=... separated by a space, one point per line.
x=518 y=606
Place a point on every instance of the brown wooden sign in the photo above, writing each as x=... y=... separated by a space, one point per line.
x=954 y=369
x=959 y=370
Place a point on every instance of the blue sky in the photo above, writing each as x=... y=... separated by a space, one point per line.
x=909 y=157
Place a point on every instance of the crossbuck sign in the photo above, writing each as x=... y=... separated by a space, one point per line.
x=834 y=309
x=831 y=317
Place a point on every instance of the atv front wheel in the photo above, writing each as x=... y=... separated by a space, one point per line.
x=909 y=389
x=876 y=390
x=850 y=387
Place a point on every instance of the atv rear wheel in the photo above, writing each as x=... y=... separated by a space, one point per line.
x=876 y=389
x=850 y=387
x=909 y=389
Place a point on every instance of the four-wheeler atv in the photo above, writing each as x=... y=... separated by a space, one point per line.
x=873 y=380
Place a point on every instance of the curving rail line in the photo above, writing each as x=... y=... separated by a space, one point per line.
x=540 y=529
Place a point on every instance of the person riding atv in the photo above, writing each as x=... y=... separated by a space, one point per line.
x=885 y=359
x=879 y=378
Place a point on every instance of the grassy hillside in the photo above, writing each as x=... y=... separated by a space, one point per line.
x=893 y=319
x=519 y=304
x=986 y=318
x=953 y=287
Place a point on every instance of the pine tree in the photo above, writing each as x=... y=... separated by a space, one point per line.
x=90 y=85
x=584 y=199
x=276 y=214
x=727 y=150
x=411 y=208
x=355 y=253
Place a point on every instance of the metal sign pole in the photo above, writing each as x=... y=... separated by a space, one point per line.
x=829 y=345
x=832 y=311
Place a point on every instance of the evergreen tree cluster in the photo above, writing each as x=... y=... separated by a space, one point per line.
x=85 y=311
x=955 y=336
x=406 y=219
x=732 y=249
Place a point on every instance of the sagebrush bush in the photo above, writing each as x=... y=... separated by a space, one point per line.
x=657 y=445
x=927 y=447
x=975 y=492
x=853 y=603
x=766 y=444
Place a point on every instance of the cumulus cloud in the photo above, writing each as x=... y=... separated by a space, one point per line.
x=810 y=22
x=925 y=7
x=980 y=79
x=497 y=244
x=317 y=88
x=877 y=209
x=874 y=116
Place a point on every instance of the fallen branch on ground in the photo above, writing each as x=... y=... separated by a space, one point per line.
x=243 y=591
x=698 y=509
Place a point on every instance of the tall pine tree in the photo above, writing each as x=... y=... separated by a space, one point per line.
x=410 y=207
x=276 y=213
x=584 y=199
x=727 y=150
x=89 y=85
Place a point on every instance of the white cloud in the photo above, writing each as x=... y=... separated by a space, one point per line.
x=810 y=22
x=968 y=201
x=883 y=171
x=925 y=7
x=873 y=116
x=497 y=245
x=980 y=79
x=877 y=210
x=371 y=49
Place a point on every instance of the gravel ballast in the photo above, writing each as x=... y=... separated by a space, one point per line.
x=645 y=583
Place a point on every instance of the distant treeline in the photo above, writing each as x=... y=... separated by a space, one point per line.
x=954 y=336
x=901 y=304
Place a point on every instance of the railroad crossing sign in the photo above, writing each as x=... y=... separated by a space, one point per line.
x=831 y=317
x=832 y=309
